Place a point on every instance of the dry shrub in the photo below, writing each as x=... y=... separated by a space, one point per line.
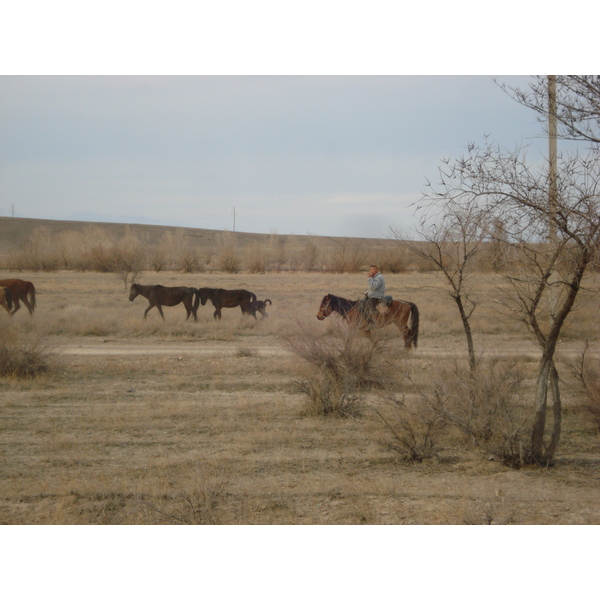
x=395 y=260
x=340 y=368
x=486 y=405
x=416 y=427
x=348 y=257
x=483 y=404
x=587 y=375
x=190 y=263
x=257 y=257
x=22 y=354
x=228 y=259
x=197 y=505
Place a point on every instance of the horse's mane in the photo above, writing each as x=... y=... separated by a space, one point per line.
x=341 y=305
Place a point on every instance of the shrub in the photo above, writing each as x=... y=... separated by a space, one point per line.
x=485 y=404
x=348 y=257
x=340 y=368
x=588 y=377
x=416 y=427
x=228 y=259
x=22 y=354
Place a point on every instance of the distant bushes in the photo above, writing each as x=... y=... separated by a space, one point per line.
x=96 y=248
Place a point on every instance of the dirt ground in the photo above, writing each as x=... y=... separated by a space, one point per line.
x=145 y=422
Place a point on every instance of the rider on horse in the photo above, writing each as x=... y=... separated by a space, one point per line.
x=374 y=295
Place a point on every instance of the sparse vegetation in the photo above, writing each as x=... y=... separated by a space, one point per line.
x=181 y=422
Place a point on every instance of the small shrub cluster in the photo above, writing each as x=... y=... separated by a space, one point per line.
x=416 y=428
x=587 y=375
x=483 y=405
x=341 y=368
x=22 y=354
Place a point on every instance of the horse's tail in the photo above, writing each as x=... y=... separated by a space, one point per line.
x=31 y=293
x=196 y=292
x=267 y=300
x=413 y=330
x=8 y=298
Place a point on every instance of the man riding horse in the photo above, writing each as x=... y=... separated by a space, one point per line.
x=373 y=296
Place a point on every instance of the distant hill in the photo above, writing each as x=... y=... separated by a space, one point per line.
x=15 y=232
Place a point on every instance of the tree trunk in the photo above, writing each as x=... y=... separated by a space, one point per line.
x=467 y=328
x=548 y=380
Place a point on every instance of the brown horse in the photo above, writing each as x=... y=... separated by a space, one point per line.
x=261 y=307
x=21 y=291
x=229 y=299
x=6 y=299
x=159 y=296
x=399 y=313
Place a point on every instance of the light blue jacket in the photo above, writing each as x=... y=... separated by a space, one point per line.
x=376 y=286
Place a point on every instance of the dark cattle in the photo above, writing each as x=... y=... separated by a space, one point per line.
x=399 y=313
x=229 y=299
x=6 y=299
x=22 y=291
x=159 y=296
x=261 y=307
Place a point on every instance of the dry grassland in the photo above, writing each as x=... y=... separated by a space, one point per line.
x=145 y=422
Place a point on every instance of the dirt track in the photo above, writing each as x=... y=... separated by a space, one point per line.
x=268 y=346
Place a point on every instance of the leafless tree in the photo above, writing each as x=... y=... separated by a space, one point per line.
x=503 y=187
x=451 y=241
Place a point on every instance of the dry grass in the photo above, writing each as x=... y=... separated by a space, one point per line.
x=151 y=422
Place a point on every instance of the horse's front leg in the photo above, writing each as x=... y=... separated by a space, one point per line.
x=160 y=311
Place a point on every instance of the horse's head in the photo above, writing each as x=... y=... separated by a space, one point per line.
x=203 y=296
x=133 y=292
x=325 y=309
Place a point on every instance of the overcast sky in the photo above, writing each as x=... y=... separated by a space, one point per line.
x=317 y=151
x=324 y=155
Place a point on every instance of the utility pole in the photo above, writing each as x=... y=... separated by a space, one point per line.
x=234 y=219
x=552 y=188
x=552 y=158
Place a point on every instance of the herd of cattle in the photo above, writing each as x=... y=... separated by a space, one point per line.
x=15 y=291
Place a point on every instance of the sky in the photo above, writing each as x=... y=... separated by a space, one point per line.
x=260 y=119
x=319 y=155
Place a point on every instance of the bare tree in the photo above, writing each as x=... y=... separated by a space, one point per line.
x=451 y=241
x=502 y=187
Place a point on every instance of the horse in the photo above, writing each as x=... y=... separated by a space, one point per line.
x=399 y=313
x=6 y=299
x=159 y=296
x=228 y=299
x=261 y=307
x=21 y=291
